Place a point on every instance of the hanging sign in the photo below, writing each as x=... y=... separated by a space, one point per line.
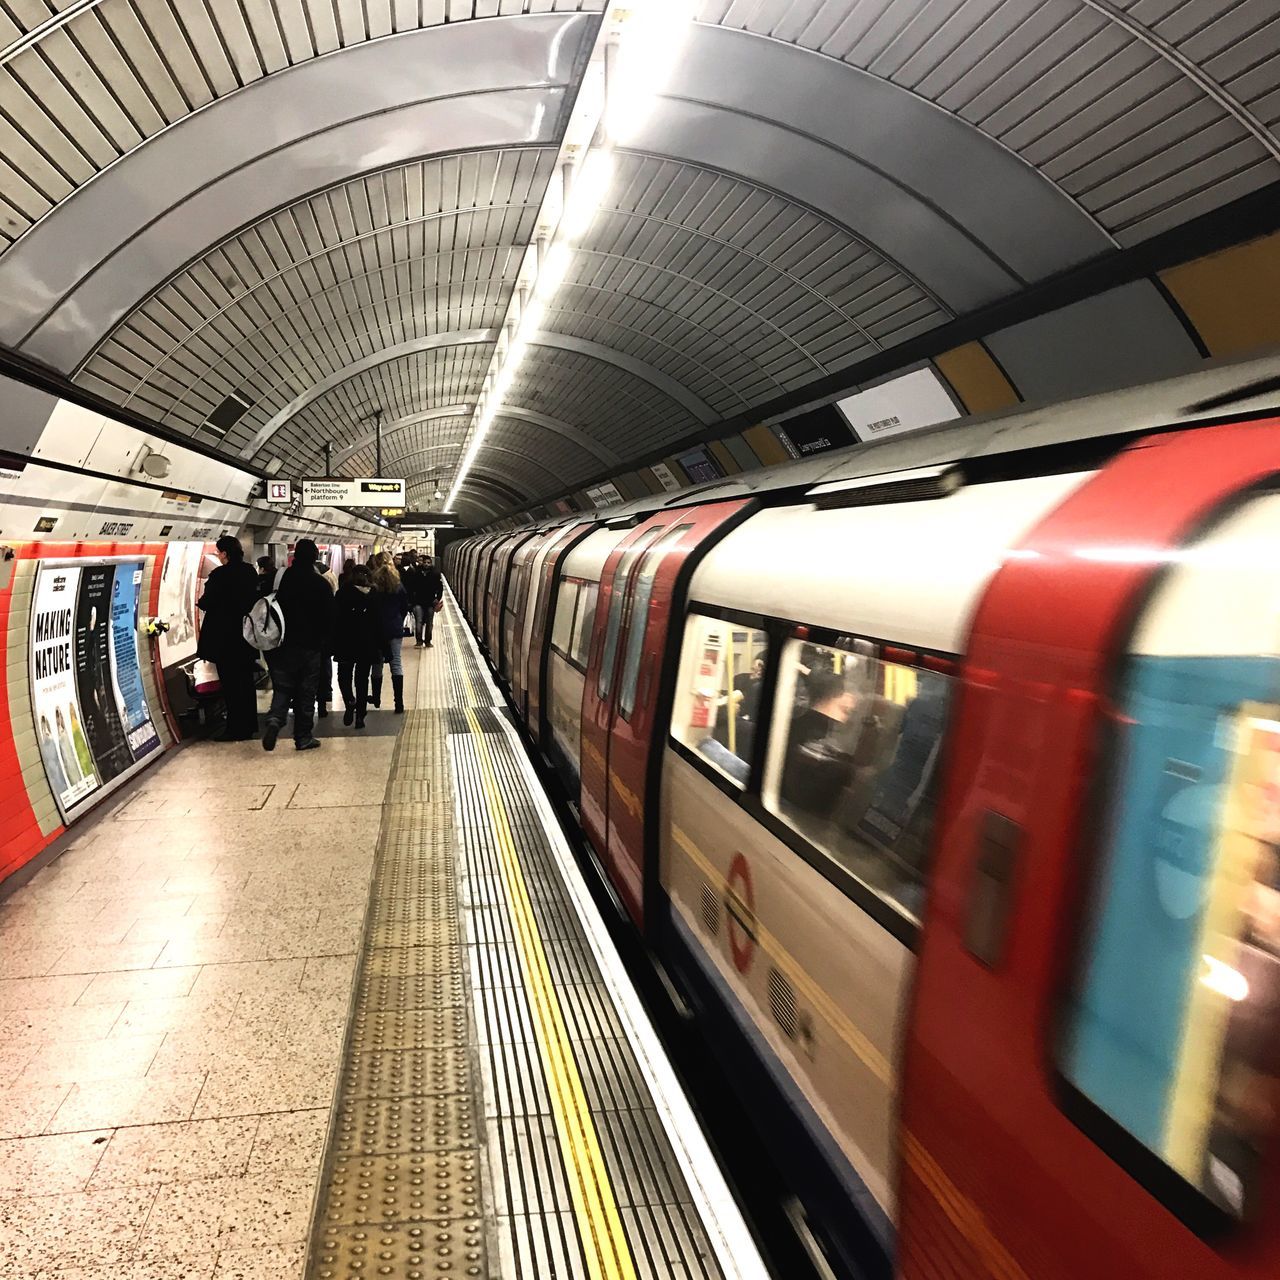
x=353 y=493
x=92 y=721
x=280 y=491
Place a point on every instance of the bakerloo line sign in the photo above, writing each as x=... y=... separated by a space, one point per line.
x=353 y=493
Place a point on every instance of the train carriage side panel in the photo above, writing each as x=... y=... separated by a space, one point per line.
x=514 y=606
x=638 y=694
x=535 y=637
x=1094 y=1082
x=574 y=614
x=800 y=919
x=500 y=585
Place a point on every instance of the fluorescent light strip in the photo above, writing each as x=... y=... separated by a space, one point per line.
x=637 y=46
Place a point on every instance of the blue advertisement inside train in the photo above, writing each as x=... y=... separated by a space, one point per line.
x=93 y=724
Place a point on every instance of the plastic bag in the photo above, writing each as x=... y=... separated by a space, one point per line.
x=204 y=675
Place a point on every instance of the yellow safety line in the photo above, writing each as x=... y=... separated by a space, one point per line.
x=595 y=1207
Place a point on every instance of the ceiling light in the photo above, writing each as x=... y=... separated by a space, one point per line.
x=586 y=194
x=651 y=42
x=551 y=270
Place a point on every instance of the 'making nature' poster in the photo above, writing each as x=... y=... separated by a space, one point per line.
x=91 y=716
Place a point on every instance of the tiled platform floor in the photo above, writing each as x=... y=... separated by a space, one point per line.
x=173 y=995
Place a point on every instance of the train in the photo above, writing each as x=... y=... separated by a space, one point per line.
x=942 y=779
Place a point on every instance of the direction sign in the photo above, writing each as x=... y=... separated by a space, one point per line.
x=353 y=493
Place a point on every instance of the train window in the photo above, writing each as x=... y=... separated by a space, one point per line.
x=566 y=606
x=583 y=625
x=621 y=577
x=640 y=616
x=853 y=762
x=1172 y=1029
x=722 y=667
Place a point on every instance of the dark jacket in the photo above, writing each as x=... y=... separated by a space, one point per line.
x=357 y=632
x=229 y=593
x=306 y=601
x=392 y=606
x=431 y=584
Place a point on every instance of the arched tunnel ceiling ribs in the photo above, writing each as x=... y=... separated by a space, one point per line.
x=218 y=211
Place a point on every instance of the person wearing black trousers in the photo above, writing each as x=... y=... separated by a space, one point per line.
x=357 y=642
x=229 y=593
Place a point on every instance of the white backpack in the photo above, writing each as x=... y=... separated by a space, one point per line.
x=264 y=624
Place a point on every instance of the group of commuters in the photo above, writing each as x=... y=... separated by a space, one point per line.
x=358 y=620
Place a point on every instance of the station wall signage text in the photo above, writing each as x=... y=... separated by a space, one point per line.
x=353 y=493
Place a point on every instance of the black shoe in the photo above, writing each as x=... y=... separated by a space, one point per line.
x=360 y=723
x=429 y=645
x=270 y=736
x=307 y=744
x=324 y=712
x=348 y=716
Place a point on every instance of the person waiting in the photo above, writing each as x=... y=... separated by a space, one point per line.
x=308 y=606
x=358 y=642
x=392 y=603
x=229 y=593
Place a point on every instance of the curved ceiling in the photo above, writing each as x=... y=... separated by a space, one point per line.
x=319 y=209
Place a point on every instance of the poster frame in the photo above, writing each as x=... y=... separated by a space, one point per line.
x=77 y=809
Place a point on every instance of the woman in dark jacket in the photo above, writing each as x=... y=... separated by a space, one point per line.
x=357 y=641
x=229 y=593
x=393 y=604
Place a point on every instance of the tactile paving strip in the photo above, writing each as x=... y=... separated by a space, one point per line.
x=402 y=1193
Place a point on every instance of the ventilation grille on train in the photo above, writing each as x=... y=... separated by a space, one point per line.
x=782 y=1003
x=710 y=911
x=899 y=486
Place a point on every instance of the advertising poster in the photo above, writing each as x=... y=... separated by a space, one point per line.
x=98 y=710
x=131 y=699
x=92 y=721
x=179 y=578
x=54 y=702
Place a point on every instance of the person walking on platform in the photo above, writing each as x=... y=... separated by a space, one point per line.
x=358 y=642
x=430 y=592
x=229 y=593
x=308 y=607
x=392 y=604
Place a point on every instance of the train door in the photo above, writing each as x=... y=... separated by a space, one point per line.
x=503 y=585
x=531 y=626
x=626 y=687
x=522 y=564
x=1092 y=1080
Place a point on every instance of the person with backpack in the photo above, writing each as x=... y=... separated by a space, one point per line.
x=392 y=603
x=306 y=607
x=357 y=642
x=229 y=593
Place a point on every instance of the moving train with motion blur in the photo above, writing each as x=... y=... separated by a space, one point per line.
x=943 y=781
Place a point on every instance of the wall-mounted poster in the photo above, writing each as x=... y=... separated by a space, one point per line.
x=54 y=700
x=92 y=720
x=179 y=578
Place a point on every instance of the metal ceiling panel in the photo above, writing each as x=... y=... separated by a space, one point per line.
x=1136 y=109
x=479 y=85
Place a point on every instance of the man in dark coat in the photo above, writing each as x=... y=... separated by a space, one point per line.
x=306 y=602
x=425 y=588
x=229 y=593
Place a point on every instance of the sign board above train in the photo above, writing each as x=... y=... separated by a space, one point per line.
x=906 y=403
x=353 y=493
x=605 y=495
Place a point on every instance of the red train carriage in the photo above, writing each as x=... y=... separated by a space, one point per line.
x=951 y=796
